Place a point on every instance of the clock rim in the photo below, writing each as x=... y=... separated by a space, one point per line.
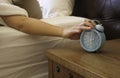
x=100 y=43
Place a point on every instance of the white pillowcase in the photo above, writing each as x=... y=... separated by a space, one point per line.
x=54 y=8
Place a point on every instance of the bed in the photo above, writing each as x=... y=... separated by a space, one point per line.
x=22 y=55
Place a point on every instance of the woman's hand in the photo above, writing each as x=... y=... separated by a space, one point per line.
x=75 y=31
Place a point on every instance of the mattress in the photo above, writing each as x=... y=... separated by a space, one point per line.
x=22 y=55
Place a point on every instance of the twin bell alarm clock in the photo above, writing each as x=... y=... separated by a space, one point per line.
x=92 y=40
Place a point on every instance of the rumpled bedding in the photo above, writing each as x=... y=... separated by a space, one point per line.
x=22 y=55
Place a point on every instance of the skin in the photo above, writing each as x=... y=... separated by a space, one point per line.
x=36 y=27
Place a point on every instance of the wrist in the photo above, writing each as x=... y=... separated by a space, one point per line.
x=65 y=33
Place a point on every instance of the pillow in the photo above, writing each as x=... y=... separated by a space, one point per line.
x=54 y=8
x=31 y=6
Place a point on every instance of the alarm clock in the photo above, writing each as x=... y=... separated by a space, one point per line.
x=93 y=40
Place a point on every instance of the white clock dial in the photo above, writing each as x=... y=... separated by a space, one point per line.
x=91 y=40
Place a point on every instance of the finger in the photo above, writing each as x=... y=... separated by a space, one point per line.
x=81 y=27
x=91 y=22
x=88 y=24
x=85 y=25
x=85 y=28
x=86 y=20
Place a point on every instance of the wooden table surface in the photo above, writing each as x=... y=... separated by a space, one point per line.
x=104 y=64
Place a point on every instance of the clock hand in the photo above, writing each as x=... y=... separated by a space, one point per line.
x=90 y=39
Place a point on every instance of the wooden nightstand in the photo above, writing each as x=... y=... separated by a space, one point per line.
x=74 y=62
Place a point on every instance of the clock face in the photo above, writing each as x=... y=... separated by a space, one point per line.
x=91 y=40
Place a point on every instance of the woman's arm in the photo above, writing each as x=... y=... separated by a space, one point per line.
x=37 y=27
x=32 y=26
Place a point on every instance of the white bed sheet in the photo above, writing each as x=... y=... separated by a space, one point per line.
x=21 y=55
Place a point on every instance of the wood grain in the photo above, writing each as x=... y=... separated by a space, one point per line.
x=103 y=64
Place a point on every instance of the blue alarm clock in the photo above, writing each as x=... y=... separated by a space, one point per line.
x=93 y=40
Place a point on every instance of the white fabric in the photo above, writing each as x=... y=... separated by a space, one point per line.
x=22 y=55
x=7 y=8
x=64 y=21
x=53 y=8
